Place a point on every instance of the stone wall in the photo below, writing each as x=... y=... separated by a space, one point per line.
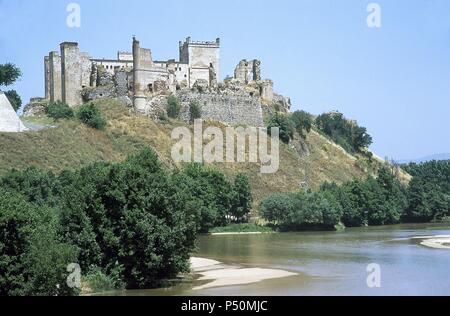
x=121 y=81
x=233 y=108
x=86 y=67
x=248 y=70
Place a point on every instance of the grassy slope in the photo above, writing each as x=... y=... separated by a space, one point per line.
x=72 y=145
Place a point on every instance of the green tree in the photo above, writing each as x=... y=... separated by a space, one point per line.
x=428 y=192
x=195 y=111
x=242 y=199
x=9 y=74
x=285 y=126
x=209 y=191
x=90 y=115
x=32 y=259
x=347 y=134
x=173 y=107
x=300 y=211
x=14 y=98
x=130 y=219
x=360 y=138
x=302 y=122
x=59 y=110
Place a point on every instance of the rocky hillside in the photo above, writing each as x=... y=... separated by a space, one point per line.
x=72 y=145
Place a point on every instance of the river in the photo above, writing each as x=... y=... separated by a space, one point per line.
x=330 y=263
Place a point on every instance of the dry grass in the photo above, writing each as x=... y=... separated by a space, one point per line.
x=73 y=145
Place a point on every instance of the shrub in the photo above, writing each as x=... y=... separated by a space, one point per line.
x=59 y=110
x=195 y=111
x=90 y=115
x=98 y=281
x=284 y=124
x=302 y=122
x=347 y=134
x=173 y=107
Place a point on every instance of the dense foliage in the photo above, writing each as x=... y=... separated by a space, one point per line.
x=9 y=74
x=173 y=107
x=241 y=203
x=303 y=122
x=429 y=191
x=302 y=210
x=195 y=111
x=345 y=133
x=90 y=115
x=212 y=199
x=129 y=224
x=285 y=125
x=32 y=257
x=14 y=98
x=59 y=110
x=375 y=201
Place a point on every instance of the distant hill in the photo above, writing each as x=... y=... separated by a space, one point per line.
x=72 y=145
x=425 y=159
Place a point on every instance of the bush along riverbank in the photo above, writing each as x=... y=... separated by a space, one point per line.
x=374 y=201
x=127 y=225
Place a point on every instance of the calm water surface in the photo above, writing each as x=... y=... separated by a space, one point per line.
x=330 y=263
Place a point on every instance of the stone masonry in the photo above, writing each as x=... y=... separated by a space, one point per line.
x=74 y=77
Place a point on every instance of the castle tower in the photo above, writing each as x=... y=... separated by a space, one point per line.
x=201 y=57
x=55 y=77
x=47 y=76
x=139 y=99
x=71 y=73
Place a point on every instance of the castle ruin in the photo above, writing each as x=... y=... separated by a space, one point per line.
x=74 y=77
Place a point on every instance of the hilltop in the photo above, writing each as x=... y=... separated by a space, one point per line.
x=71 y=145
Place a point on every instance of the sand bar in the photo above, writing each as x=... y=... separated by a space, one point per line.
x=436 y=242
x=222 y=275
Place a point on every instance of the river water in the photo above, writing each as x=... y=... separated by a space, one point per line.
x=330 y=263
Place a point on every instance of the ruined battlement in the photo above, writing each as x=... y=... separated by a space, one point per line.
x=189 y=41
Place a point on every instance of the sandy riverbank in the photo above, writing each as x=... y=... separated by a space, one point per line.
x=436 y=242
x=225 y=275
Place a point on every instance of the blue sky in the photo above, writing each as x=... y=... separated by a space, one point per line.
x=394 y=80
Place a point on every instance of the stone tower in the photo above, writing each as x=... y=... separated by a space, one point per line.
x=203 y=59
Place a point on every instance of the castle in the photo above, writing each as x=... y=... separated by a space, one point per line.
x=74 y=77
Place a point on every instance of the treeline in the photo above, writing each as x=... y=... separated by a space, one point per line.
x=132 y=223
x=429 y=191
x=374 y=201
x=348 y=134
